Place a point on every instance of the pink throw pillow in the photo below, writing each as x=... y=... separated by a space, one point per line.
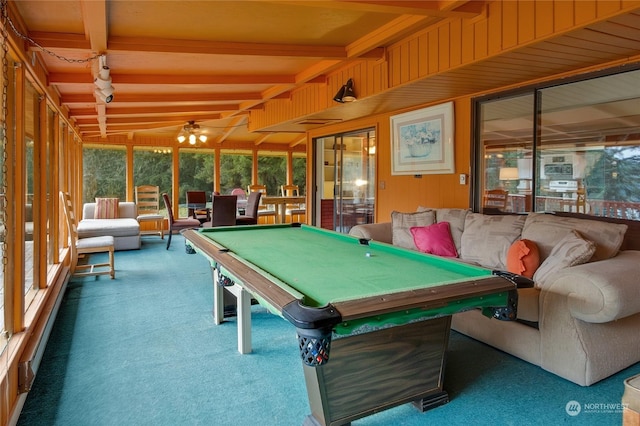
x=435 y=239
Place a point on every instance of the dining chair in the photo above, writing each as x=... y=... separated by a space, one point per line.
x=495 y=199
x=148 y=209
x=177 y=224
x=293 y=209
x=250 y=216
x=90 y=245
x=223 y=210
x=197 y=206
x=264 y=211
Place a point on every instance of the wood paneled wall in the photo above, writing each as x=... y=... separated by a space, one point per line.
x=506 y=25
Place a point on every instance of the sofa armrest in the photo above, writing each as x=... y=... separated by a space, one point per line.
x=381 y=232
x=127 y=209
x=602 y=291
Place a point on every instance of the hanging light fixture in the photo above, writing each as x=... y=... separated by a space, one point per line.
x=191 y=132
x=104 y=90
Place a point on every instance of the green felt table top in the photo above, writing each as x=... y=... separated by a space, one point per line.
x=329 y=267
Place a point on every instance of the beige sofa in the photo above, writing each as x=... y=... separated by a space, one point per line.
x=580 y=321
x=125 y=229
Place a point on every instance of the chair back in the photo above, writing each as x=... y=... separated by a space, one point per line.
x=289 y=190
x=167 y=204
x=253 y=203
x=147 y=199
x=223 y=210
x=70 y=219
x=257 y=188
x=196 y=199
x=495 y=199
x=239 y=192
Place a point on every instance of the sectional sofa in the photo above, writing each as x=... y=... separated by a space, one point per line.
x=125 y=228
x=581 y=320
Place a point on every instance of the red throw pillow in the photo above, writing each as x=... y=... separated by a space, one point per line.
x=106 y=208
x=435 y=239
x=523 y=258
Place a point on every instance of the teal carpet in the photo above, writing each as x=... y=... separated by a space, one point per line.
x=143 y=350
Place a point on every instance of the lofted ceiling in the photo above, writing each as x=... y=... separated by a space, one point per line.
x=214 y=61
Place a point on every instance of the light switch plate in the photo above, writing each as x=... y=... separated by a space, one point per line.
x=463 y=179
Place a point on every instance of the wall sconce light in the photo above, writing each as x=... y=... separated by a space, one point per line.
x=346 y=93
x=191 y=132
x=104 y=90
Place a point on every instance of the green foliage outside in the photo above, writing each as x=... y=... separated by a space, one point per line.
x=105 y=173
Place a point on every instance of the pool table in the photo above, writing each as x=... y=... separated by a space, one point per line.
x=372 y=319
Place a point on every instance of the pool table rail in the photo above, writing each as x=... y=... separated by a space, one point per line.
x=276 y=296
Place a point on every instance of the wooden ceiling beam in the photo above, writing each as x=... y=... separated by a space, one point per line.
x=155 y=110
x=142 y=44
x=433 y=8
x=168 y=79
x=174 y=120
x=161 y=45
x=230 y=128
x=165 y=99
x=94 y=17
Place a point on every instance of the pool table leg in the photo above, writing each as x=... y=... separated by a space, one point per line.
x=243 y=309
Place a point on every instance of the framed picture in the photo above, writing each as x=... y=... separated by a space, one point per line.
x=422 y=141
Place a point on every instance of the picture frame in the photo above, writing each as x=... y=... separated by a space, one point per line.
x=422 y=141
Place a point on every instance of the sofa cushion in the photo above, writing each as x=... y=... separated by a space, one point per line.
x=106 y=208
x=434 y=239
x=402 y=223
x=115 y=227
x=523 y=258
x=569 y=251
x=487 y=238
x=456 y=218
x=547 y=230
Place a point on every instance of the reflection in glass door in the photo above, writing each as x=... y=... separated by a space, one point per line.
x=345 y=180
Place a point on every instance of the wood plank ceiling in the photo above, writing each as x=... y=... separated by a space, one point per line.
x=215 y=61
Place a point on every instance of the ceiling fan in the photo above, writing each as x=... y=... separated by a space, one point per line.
x=191 y=132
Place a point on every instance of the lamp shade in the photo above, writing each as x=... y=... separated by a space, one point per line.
x=349 y=95
x=340 y=94
x=509 y=173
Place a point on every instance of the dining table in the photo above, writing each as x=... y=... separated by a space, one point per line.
x=280 y=203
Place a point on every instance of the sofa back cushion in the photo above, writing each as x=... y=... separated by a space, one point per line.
x=126 y=209
x=546 y=230
x=403 y=222
x=571 y=250
x=487 y=238
x=456 y=218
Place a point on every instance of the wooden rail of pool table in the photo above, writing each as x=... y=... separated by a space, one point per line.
x=277 y=297
x=252 y=281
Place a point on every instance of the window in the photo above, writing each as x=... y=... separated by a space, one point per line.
x=300 y=172
x=195 y=173
x=272 y=171
x=571 y=147
x=235 y=171
x=104 y=172
x=152 y=166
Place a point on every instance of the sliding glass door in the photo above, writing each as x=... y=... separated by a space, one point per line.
x=572 y=147
x=345 y=180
